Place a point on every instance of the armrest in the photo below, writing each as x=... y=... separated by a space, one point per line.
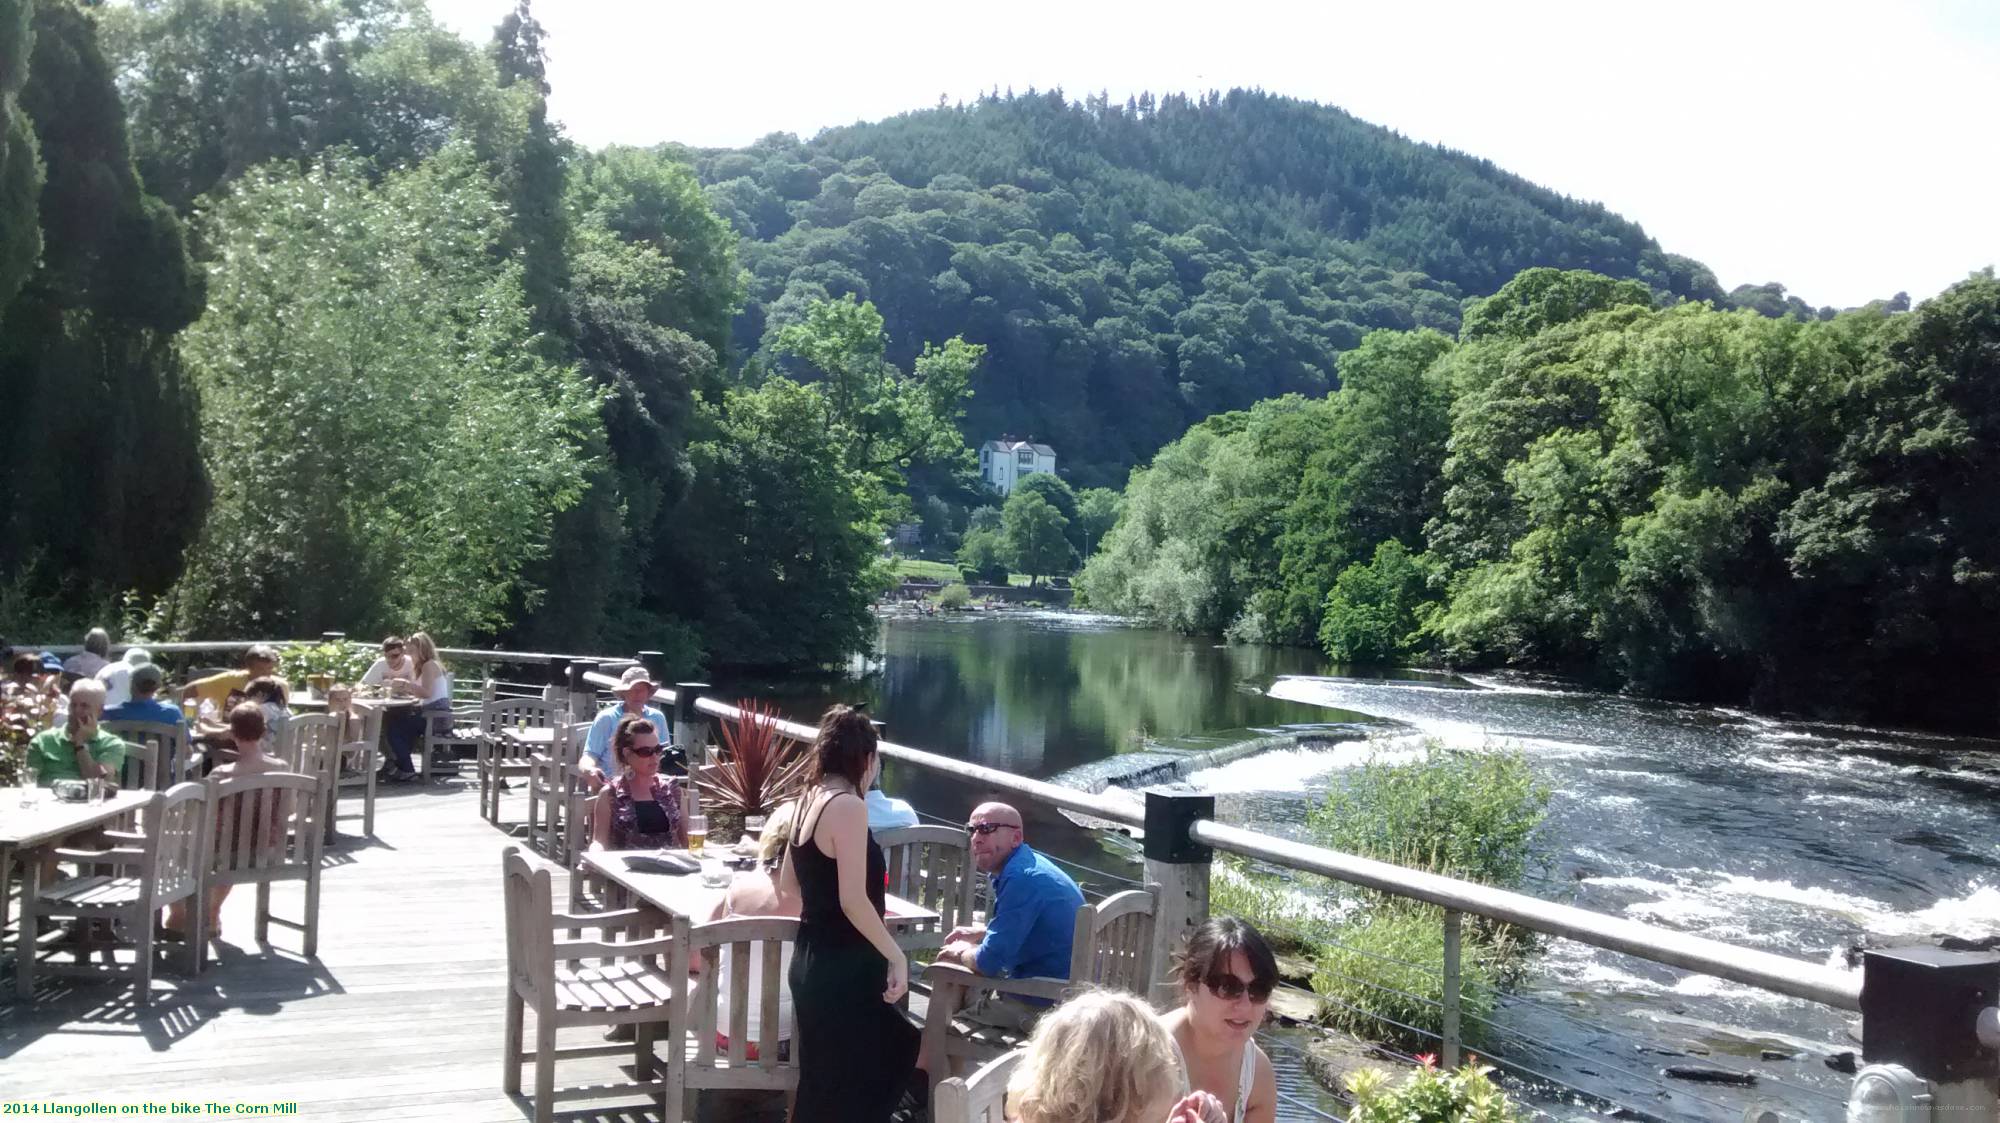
x=600 y=919
x=952 y=975
x=123 y=836
x=118 y=856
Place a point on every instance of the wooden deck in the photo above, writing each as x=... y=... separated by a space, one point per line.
x=399 y=1017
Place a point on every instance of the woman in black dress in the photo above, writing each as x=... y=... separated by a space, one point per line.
x=856 y=1050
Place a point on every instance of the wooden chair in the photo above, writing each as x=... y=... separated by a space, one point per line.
x=173 y=761
x=442 y=739
x=932 y=866
x=1110 y=946
x=141 y=770
x=159 y=864
x=620 y=986
x=500 y=759
x=311 y=746
x=551 y=779
x=979 y=1098
x=267 y=830
x=754 y=950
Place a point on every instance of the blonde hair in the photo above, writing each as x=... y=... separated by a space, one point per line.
x=777 y=832
x=422 y=651
x=1101 y=1057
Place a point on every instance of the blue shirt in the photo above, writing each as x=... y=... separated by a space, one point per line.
x=1034 y=919
x=597 y=746
x=146 y=709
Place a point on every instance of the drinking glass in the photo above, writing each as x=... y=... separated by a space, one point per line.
x=697 y=834
x=97 y=792
x=714 y=874
x=30 y=794
x=753 y=825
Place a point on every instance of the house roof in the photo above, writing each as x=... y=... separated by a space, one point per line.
x=1008 y=445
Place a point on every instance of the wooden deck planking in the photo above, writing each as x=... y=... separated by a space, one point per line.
x=400 y=1017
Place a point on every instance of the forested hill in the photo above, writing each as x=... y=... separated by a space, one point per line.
x=1135 y=268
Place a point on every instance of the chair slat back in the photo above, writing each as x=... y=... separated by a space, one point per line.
x=531 y=955
x=1113 y=942
x=979 y=1098
x=267 y=827
x=168 y=740
x=932 y=866
x=140 y=771
x=513 y=713
x=182 y=840
x=747 y=955
x=310 y=745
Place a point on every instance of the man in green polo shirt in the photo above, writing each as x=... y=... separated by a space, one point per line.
x=78 y=749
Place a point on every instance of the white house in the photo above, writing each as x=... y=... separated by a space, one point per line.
x=1002 y=463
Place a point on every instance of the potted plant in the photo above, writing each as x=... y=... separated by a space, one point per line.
x=756 y=768
x=1430 y=1095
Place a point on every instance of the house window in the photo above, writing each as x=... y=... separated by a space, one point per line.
x=1026 y=456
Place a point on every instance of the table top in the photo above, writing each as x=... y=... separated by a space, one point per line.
x=360 y=703
x=683 y=894
x=304 y=702
x=51 y=819
x=534 y=736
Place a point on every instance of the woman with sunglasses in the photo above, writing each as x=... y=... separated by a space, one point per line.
x=641 y=809
x=1226 y=972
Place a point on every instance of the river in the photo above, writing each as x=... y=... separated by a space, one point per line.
x=1794 y=837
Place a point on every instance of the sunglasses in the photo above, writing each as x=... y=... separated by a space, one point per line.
x=1229 y=988
x=987 y=828
x=643 y=750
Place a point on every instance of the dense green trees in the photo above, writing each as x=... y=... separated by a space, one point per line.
x=1133 y=269
x=1682 y=501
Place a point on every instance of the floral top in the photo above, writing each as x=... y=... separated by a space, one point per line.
x=634 y=826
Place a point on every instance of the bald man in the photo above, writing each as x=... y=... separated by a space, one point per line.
x=1034 y=904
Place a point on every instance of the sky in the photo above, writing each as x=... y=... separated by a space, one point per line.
x=1844 y=149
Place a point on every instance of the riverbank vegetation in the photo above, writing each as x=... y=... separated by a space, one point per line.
x=325 y=324
x=1680 y=501
x=1377 y=961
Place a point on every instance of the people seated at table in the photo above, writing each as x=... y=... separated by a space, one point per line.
x=885 y=811
x=635 y=699
x=754 y=892
x=642 y=809
x=117 y=676
x=1102 y=1057
x=25 y=674
x=1034 y=909
x=78 y=749
x=404 y=727
x=246 y=733
x=393 y=663
x=95 y=654
x=144 y=704
x=213 y=692
x=856 y=1050
x=1226 y=972
x=273 y=697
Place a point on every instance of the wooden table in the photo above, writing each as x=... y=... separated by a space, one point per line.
x=683 y=894
x=364 y=724
x=26 y=829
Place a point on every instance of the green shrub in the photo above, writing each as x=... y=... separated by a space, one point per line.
x=954 y=596
x=1269 y=902
x=346 y=662
x=1469 y=815
x=1388 y=966
x=1430 y=1095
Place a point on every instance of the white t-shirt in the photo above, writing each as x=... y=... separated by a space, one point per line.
x=117 y=680
x=378 y=671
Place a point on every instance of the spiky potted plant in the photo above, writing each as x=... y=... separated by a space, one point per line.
x=756 y=768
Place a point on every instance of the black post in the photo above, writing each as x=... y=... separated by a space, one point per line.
x=333 y=637
x=1920 y=1010
x=582 y=695
x=655 y=662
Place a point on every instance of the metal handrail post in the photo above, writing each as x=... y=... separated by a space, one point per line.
x=1449 y=1044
